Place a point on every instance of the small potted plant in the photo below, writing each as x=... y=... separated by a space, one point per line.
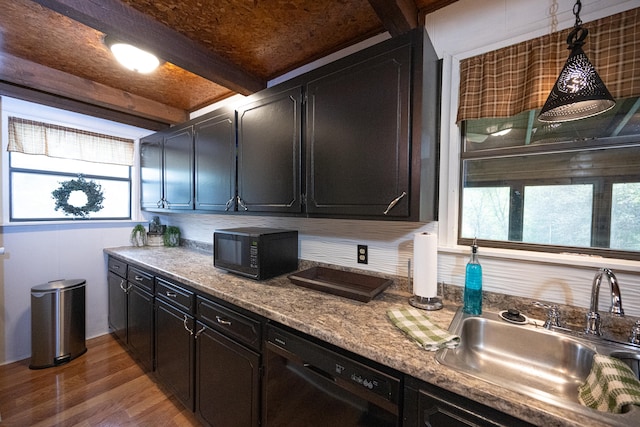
x=138 y=235
x=172 y=236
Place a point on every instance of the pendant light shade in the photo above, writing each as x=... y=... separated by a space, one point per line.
x=579 y=91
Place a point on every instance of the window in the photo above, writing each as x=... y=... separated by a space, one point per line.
x=571 y=186
x=84 y=189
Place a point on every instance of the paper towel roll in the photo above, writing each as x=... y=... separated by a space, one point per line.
x=425 y=265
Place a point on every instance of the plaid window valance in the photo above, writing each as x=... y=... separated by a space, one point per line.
x=517 y=78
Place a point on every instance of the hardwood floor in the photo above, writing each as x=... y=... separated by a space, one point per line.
x=103 y=387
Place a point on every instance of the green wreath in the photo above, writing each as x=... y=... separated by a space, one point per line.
x=92 y=190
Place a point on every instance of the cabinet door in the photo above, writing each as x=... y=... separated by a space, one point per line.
x=140 y=326
x=175 y=352
x=358 y=137
x=151 y=171
x=428 y=405
x=178 y=169
x=118 y=306
x=215 y=162
x=269 y=143
x=227 y=381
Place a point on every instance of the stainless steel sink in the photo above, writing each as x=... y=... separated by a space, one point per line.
x=543 y=364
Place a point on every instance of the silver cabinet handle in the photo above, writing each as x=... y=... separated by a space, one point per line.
x=139 y=278
x=222 y=321
x=229 y=204
x=394 y=202
x=171 y=294
x=125 y=290
x=197 y=334
x=186 y=327
x=241 y=204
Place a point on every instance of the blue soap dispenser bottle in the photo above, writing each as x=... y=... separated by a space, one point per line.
x=473 y=284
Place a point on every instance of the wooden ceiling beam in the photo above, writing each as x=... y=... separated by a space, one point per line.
x=119 y=20
x=56 y=101
x=23 y=73
x=397 y=16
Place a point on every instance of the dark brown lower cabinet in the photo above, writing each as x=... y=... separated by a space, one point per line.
x=117 y=289
x=429 y=405
x=140 y=325
x=227 y=381
x=175 y=351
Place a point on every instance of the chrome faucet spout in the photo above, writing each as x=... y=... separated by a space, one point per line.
x=593 y=317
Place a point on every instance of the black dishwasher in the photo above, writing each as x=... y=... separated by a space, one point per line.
x=307 y=384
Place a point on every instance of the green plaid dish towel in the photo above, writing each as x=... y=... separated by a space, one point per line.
x=610 y=385
x=427 y=334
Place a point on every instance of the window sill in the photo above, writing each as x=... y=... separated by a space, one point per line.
x=84 y=222
x=545 y=258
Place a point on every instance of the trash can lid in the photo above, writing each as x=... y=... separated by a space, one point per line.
x=59 y=285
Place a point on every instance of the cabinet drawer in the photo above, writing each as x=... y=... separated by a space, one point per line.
x=175 y=295
x=118 y=267
x=232 y=323
x=141 y=278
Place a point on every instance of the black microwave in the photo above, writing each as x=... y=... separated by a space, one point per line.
x=255 y=252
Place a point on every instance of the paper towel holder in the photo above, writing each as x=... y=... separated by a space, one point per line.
x=426 y=303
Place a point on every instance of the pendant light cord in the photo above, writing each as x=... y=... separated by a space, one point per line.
x=576 y=11
x=578 y=34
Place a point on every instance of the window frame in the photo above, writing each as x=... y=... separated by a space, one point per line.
x=12 y=170
x=602 y=199
x=38 y=112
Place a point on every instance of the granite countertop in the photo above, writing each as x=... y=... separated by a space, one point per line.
x=362 y=328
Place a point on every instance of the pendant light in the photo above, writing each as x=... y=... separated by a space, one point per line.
x=579 y=91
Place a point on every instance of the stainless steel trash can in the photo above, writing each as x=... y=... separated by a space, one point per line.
x=57 y=322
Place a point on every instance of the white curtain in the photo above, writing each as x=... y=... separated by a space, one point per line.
x=31 y=137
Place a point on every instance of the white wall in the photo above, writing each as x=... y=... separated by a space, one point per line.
x=38 y=253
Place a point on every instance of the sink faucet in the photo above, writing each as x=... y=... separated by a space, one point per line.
x=593 y=317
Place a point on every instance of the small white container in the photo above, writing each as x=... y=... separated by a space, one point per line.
x=155 y=239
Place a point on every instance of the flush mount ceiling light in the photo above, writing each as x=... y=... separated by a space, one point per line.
x=579 y=91
x=131 y=57
x=502 y=132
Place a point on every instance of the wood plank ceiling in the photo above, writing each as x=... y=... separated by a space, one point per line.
x=52 y=51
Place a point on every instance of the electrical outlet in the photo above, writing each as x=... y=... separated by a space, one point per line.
x=363 y=254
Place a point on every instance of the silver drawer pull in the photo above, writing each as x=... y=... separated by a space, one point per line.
x=139 y=278
x=115 y=267
x=394 y=202
x=171 y=294
x=222 y=321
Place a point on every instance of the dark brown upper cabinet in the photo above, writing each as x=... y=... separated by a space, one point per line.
x=215 y=161
x=356 y=138
x=166 y=169
x=269 y=152
x=370 y=129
